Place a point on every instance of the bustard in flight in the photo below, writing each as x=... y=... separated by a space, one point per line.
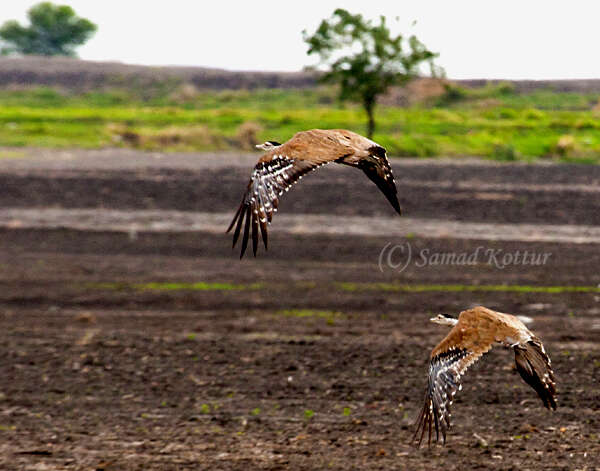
x=472 y=335
x=284 y=164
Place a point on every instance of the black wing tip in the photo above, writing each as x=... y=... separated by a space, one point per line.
x=396 y=205
x=245 y=217
x=235 y=218
x=392 y=197
x=428 y=422
x=548 y=396
x=245 y=238
x=385 y=184
x=421 y=425
x=533 y=366
x=240 y=219
x=254 y=233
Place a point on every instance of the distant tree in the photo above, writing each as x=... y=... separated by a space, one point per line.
x=55 y=30
x=365 y=59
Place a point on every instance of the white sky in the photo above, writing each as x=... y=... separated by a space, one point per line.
x=526 y=39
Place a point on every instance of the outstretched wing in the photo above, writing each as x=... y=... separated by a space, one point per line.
x=468 y=340
x=445 y=371
x=380 y=173
x=283 y=166
x=533 y=364
x=269 y=180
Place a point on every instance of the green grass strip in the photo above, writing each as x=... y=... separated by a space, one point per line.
x=344 y=286
x=167 y=286
x=418 y=288
x=324 y=314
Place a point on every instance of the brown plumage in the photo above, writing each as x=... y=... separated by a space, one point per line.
x=473 y=334
x=283 y=165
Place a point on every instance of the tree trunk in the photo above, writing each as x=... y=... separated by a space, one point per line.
x=370 y=109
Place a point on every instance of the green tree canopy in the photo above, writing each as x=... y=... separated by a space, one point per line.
x=365 y=59
x=54 y=30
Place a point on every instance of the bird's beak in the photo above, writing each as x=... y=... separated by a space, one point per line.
x=439 y=318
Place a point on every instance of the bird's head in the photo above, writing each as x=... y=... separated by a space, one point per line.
x=268 y=145
x=444 y=319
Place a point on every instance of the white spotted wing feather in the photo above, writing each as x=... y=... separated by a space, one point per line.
x=474 y=335
x=284 y=165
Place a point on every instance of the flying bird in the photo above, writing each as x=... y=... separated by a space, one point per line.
x=282 y=165
x=472 y=335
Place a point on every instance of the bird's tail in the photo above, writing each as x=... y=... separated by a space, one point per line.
x=533 y=364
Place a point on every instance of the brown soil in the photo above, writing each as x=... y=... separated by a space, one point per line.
x=294 y=373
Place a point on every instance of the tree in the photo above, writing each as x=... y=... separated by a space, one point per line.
x=55 y=30
x=365 y=59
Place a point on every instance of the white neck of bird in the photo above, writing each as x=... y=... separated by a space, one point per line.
x=443 y=320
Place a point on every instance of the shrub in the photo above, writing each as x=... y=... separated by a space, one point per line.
x=452 y=94
x=247 y=135
x=565 y=145
x=505 y=152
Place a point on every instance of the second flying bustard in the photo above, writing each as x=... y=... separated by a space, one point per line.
x=473 y=334
x=284 y=164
